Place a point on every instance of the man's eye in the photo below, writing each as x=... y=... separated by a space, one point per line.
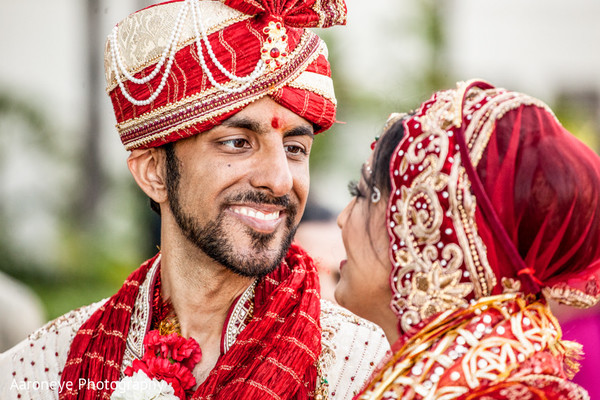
x=295 y=149
x=236 y=143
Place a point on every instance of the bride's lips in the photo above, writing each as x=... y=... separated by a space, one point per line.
x=342 y=263
x=262 y=218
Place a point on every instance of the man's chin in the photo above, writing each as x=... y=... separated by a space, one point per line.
x=254 y=268
x=258 y=259
x=245 y=252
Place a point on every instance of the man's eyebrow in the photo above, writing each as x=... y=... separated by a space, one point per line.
x=244 y=123
x=302 y=130
x=256 y=126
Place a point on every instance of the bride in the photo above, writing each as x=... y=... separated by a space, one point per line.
x=469 y=214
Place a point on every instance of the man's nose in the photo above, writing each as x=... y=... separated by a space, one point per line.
x=272 y=171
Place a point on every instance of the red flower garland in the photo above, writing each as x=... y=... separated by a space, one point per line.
x=170 y=358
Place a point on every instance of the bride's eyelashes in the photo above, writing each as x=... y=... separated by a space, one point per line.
x=354 y=189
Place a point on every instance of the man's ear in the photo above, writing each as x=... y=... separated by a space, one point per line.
x=147 y=168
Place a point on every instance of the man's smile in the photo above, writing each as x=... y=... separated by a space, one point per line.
x=254 y=213
x=262 y=218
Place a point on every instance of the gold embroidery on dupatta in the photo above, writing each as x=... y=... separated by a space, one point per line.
x=483 y=119
x=430 y=277
x=460 y=351
x=570 y=296
x=429 y=274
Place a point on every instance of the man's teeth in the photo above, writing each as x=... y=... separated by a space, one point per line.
x=256 y=214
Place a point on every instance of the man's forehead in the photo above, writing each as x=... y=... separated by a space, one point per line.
x=262 y=116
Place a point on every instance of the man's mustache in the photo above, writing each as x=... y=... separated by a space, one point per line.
x=263 y=198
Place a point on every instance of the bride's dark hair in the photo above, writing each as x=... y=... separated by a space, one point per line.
x=385 y=145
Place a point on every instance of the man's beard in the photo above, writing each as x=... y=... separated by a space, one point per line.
x=212 y=238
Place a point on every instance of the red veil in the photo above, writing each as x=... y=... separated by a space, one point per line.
x=490 y=194
x=492 y=205
x=545 y=187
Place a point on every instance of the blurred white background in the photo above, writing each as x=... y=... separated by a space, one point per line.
x=66 y=192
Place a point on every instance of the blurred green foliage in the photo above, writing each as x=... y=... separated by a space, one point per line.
x=88 y=263
x=578 y=114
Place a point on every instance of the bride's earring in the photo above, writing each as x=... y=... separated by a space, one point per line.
x=376 y=195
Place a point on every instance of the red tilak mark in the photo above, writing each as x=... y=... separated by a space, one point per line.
x=275 y=123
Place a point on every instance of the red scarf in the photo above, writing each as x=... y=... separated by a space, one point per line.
x=274 y=357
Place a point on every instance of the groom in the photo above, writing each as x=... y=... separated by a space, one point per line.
x=218 y=102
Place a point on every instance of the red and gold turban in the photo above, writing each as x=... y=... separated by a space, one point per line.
x=182 y=67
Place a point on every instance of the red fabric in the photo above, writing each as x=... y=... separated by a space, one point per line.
x=531 y=362
x=545 y=186
x=238 y=49
x=275 y=356
x=161 y=308
x=97 y=350
x=300 y=14
x=187 y=77
x=291 y=12
x=526 y=214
